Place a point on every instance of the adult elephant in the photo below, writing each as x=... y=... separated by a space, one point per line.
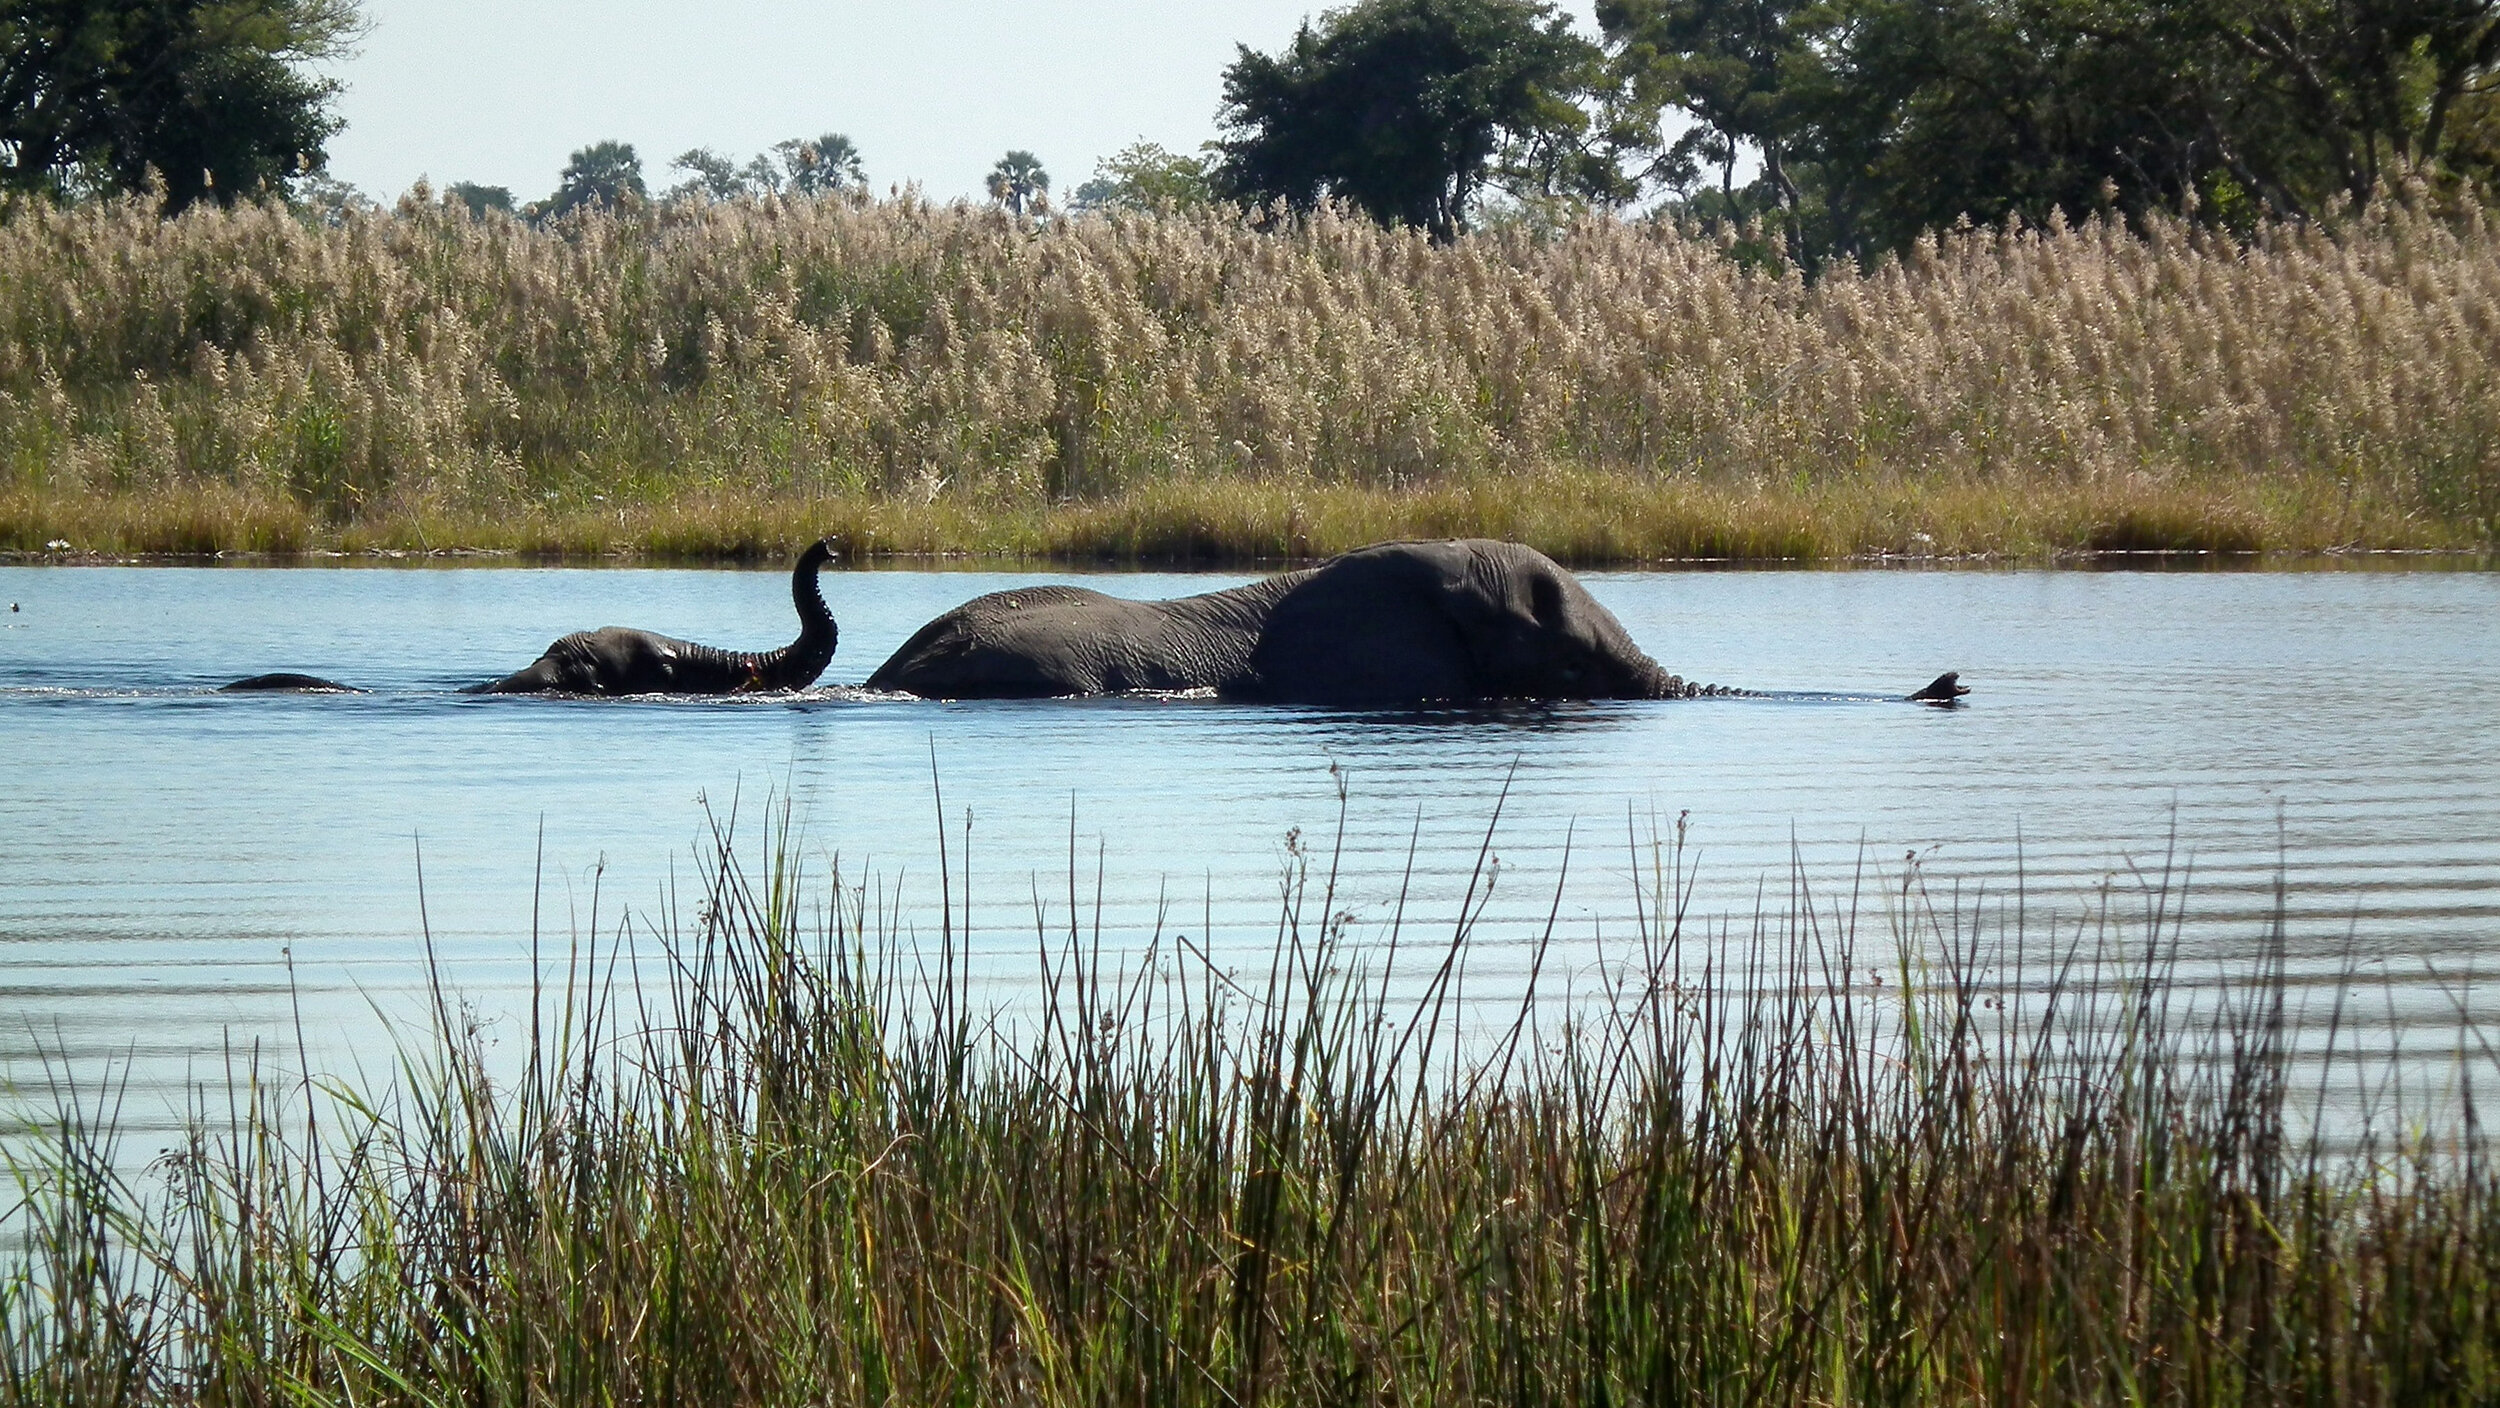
x=1397 y=623
x=622 y=660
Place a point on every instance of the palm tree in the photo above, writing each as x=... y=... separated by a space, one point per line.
x=1019 y=183
x=603 y=174
x=822 y=167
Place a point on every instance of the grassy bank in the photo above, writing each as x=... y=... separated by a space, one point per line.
x=734 y=379
x=1578 y=516
x=795 y=1163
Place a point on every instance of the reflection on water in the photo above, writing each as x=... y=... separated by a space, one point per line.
x=166 y=853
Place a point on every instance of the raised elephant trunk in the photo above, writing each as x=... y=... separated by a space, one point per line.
x=796 y=665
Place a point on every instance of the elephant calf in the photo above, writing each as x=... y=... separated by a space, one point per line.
x=1392 y=624
x=622 y=660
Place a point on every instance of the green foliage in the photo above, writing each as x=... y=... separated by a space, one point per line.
x=709 y=175
x=479 y=199
x=603 y=175
x=1019 y=183
x=1717 y=62
x=1143 y=176
x=825 y=166
x=1875 y=121
x=1928 y=112
x=208 y=96
x=1401 y=106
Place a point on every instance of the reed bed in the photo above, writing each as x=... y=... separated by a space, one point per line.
x=779 y=1153
x=721 y=380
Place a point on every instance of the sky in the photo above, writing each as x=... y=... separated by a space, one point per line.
x=500 y=92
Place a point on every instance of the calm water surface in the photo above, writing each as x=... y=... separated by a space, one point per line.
x=166 y=852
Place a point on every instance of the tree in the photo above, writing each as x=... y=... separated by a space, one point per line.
x=480 y=199
x=1875 y=120
x=1143 y=176
x=826 y=166
x=1917 y=113
x=2228 y=108
x=601 y=175
x=761 y=175
x=209 y=95
x=1720 y=64
x=328 y=200
x=1019 y=183
x=709 y=176
x=2371 y=85
x=1400 y=106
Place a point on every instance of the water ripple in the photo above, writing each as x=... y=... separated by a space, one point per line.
x=180 y=870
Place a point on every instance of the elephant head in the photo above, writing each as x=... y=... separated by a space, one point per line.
x=1466 y=620
x=1536 y=632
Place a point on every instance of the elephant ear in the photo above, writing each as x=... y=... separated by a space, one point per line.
x=1374 y=627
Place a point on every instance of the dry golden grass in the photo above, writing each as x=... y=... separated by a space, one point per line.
x=733 y=379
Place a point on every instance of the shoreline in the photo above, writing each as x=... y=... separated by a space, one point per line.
x=1585 y=519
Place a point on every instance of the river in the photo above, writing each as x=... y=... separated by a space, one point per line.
x=181 y=872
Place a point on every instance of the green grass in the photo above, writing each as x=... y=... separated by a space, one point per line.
x=1587 y=519
x=777 y=1153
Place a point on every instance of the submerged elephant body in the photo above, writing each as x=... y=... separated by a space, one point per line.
x=1045 y=642
x=287 y=682
x=1398 y=623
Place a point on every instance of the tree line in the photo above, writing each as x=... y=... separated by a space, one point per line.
x=1852 y=126
x=1833 y=127
x=609 y=174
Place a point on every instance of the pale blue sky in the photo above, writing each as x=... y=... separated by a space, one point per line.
x=500 y=91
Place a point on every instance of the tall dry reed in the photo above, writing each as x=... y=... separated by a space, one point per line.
x=783 y=1156
x=241 y=378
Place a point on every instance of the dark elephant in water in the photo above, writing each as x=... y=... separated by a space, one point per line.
x=1393 y=624
x=622 y=660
